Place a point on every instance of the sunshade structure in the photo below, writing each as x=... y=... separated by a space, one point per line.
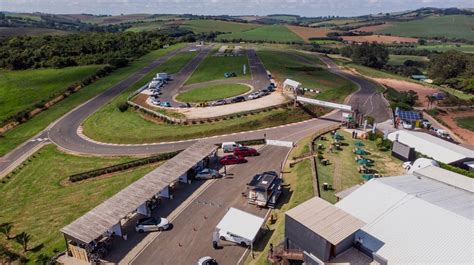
x=358 y=143
x=365 y=162
x=102 y=218
x=361 y=152
x=241 y=223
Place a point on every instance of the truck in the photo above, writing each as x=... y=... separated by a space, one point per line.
x=163 y=76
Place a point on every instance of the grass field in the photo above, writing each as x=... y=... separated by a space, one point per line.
x=20 y=90
x=400 y=59
x=213 y=93
x=454 y=26
x=465 y=122
x=145 y=26
x=200 y=26
x=298 y=188
x=25 y=131
x=309 y=71
x=214 y=67
x=39 y=200
x=468 y=48
x=29 y=31
x=276 y=33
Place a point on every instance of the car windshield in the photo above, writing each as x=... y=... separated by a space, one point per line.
x=150 y=221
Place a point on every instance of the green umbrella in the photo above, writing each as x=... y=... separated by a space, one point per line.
x=361 y=152
x=364 y=162
x=367 y=176
x=359 y=144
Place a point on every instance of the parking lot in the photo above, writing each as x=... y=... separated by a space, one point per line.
x=191 y=236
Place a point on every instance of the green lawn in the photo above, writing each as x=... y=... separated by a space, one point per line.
x=298 y=189
x=201 y=25
x=213 y=93
x=312 y=73
x=466 y=122
x=175 y=64
x=453 y=26
x=146 y=26
x=277 y=33
x=400 y=59
x=38 y=199
x=467 y=48
x=20 y=134
x=21 y=90
x=214 y=67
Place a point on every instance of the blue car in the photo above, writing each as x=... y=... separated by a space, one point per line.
x=165 y=104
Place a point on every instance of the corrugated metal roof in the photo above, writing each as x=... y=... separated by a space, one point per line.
x=414 y=220
x=342 y=194
x=432 y=146
x=326 y=220
x=447 y=177
x=241 y=223
x=100 y=219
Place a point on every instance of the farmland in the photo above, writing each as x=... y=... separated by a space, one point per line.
x=468 y=48
x=8 y=32
x=214 y=67
x=455 y=26
x=39 y=200
x=380 y=39
x=309 y=71
x=274 y=33
x=21 y=90
x=20 y=134
x=213 y=92
x=199 y=26
x=307 y=32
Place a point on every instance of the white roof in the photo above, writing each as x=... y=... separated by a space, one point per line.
x=447 y=177
x=241 y=223
x=432 y=146
x=292 y=83
x=414 y=220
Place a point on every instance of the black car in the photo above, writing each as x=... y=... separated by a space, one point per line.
x=265 y=91
x=237 y=99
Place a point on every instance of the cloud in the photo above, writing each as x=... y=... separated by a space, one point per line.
x=231 y=7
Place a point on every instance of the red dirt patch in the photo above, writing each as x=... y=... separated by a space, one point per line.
x=374 y=28
x=448 y=119
x=400 y=85
x=380 y=39
x=307 y=32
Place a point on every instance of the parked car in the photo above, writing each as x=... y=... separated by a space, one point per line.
x=149 y=224
x=229 y=146
x=219 y=102
x=232 y=159
x=165 y=104
x=245 y=151
x=228 y=236
x=265 y=91
x=183 y=106
x=407 y=125
x=261 y=94
x=237 y=99
x=202 y=104
x=207 y=261
x=155 y=101
x=254 y=95
x=426 y=123
x=208 y=173
x=229 y=74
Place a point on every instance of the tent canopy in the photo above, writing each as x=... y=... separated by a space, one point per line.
x=241 y=223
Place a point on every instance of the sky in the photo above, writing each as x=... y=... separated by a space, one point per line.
x=226 y=7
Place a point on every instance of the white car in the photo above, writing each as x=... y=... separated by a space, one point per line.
x=228 y=236
x=207 y=261
x=155 y=102
x=208 y=173
x=254 y=95
x=149 y=224
x=407 y=125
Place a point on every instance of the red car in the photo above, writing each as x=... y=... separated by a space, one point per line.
x=232 y=159
x=245 y=151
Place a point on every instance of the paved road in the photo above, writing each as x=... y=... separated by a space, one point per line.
x=191 y=236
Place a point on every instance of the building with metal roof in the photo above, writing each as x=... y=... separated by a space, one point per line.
x=106 y=217
x=320 y=229
x=433 y=147
x=422 y=218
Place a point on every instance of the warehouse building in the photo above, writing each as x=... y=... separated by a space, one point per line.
x=433 y=147
x=421 y=218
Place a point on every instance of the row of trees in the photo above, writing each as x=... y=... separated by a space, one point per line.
x=453 y=68
x=23 y=52
x=368 y=54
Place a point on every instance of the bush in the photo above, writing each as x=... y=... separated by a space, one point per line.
x=123 y=106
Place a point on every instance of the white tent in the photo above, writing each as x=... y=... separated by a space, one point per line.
x=291 y=83
x=241 y=223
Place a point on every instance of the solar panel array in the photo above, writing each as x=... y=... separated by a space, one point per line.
x=409 y=115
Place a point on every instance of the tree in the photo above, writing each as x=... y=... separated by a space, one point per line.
x=6 y=229
x=372 y=55
x=448 y=65
x=23 y=239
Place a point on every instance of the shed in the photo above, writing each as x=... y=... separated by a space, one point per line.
x=320 y=228
x=292 y=84
x=403 y=152
x=419 y=77
x=241 y=223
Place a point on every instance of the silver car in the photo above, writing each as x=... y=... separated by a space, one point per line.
x=208 y=173
x=219 y=102
x=149 y=224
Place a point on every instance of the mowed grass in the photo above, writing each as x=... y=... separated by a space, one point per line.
x=20 y=90
x=400 y=59
x=453 y=26
x=39 y=200
x=276 y=33
x=208 y=25
x=214 y=67
x=465 y=122
x=213 y=93
x=20 y=134
x=309 y=71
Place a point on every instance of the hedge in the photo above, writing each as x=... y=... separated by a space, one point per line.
x=122 y=166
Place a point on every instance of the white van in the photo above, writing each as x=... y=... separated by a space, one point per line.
x=227 y=236
x=229 y=146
